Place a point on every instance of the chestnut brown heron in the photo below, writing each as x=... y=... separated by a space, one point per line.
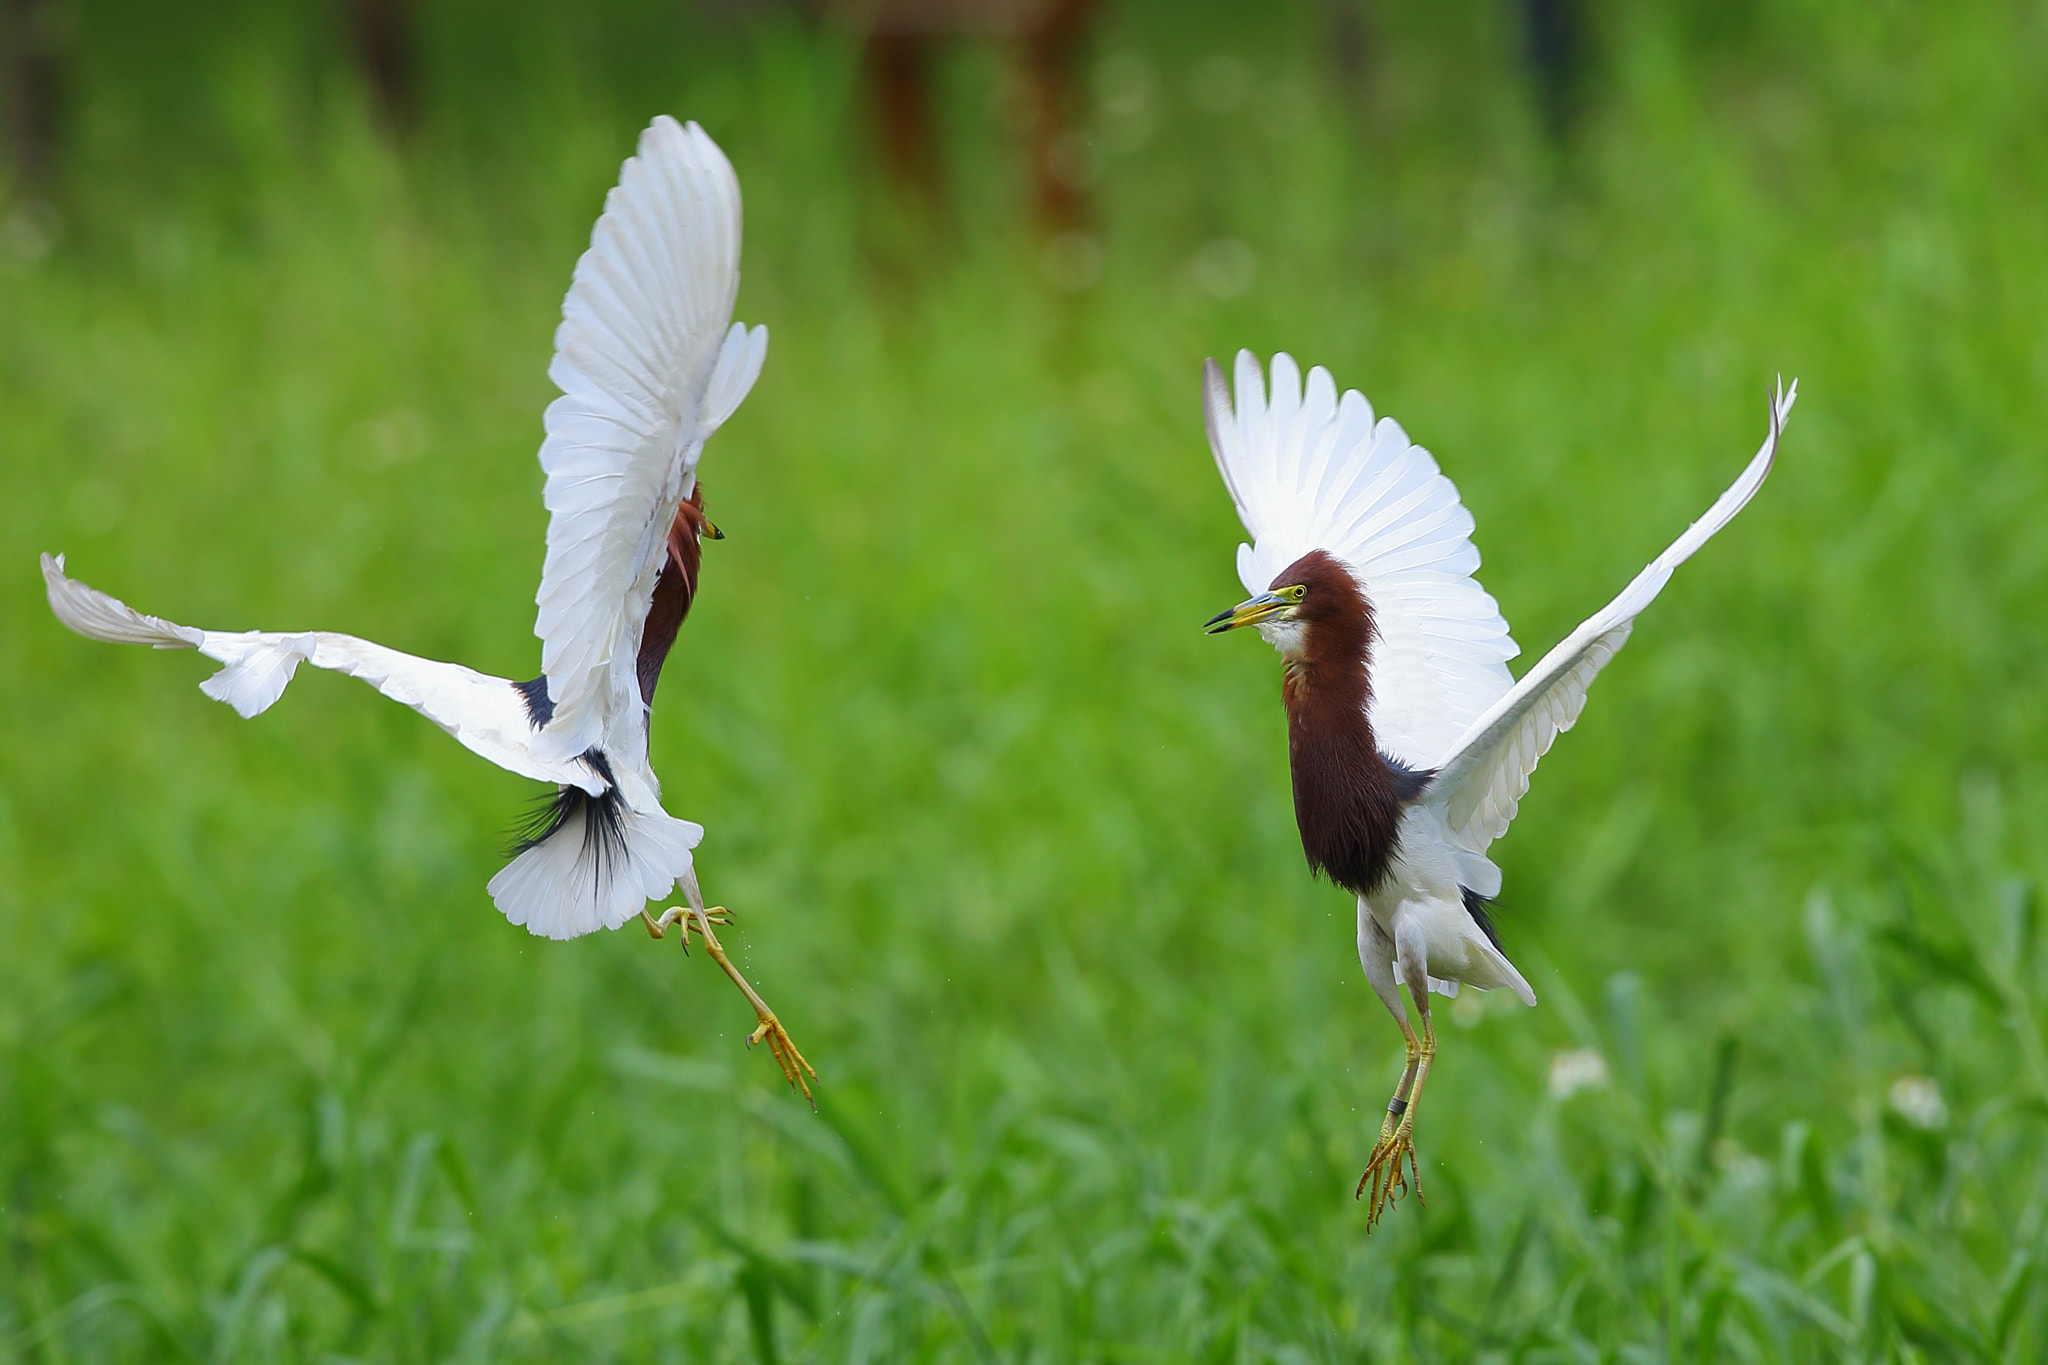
x=650 y=364
x=1409 y=741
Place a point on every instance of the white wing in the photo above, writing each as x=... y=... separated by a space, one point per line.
x=486 y=715
x=605 y=861
x=648 y=369
x=1485 y=777
x=1312 y=471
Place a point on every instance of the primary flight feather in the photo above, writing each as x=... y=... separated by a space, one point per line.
x=1410 y=743
x=650 y=364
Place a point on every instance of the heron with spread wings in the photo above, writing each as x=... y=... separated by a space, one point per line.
x=650 y=364
x=1409 y=742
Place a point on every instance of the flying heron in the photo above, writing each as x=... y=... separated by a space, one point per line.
x=1409 y=741
x=650 y=364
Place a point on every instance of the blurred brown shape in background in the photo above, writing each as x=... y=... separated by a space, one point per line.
x=902 y=37
x=382 y=34
x=31 y=39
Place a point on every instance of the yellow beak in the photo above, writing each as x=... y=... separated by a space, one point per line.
x=1247 y=613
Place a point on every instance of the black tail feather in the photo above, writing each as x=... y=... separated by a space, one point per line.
x=603 y=816
x=1476 y=906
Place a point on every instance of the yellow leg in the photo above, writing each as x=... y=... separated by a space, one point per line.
x=1398 y=1105
x=1384 y=1174
x=780 y=1045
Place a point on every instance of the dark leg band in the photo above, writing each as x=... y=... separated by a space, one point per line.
x=1397 y=1106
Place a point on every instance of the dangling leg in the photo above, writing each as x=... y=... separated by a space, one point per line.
x=697 y=917
x=1376 y=955
x=1383 y=1170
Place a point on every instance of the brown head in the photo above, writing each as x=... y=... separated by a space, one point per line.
x=1314 y=612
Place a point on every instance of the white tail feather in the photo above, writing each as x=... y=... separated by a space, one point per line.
x=1509 y=976
x=581 y=878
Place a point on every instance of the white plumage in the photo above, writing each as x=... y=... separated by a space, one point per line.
x=650 y=364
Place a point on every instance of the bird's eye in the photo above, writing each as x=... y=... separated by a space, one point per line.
x=1295 y=593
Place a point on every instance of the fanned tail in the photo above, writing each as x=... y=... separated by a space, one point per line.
x=593 y=863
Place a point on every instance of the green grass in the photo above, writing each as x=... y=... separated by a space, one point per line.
x=1010 y=839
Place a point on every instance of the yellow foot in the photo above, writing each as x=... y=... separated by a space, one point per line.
x=1384 y=1175
x=784 y=1052
x=686 y=919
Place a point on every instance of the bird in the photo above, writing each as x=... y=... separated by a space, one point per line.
x=1409 y=742
x=650 y=364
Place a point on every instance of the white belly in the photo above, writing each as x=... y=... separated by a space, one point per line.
x=1421 y=899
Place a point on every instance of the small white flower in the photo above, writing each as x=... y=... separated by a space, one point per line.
x=1571 y=1072
x=1741 y=1169
x=1917 y=1100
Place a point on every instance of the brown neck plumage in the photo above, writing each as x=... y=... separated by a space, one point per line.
x=1347 y=798
x=673 y=592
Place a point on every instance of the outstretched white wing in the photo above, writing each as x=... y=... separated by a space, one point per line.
x=1312 y=471
x=648 y=370
x=486 y=714
x=1484 y=778
x=601 y=860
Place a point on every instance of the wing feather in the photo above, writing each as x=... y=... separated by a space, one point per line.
x=650 y=364
x=1310 y=469
x=1485 y=777
x=486 y=715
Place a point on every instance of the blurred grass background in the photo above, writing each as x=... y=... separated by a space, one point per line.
x=1010 y=839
